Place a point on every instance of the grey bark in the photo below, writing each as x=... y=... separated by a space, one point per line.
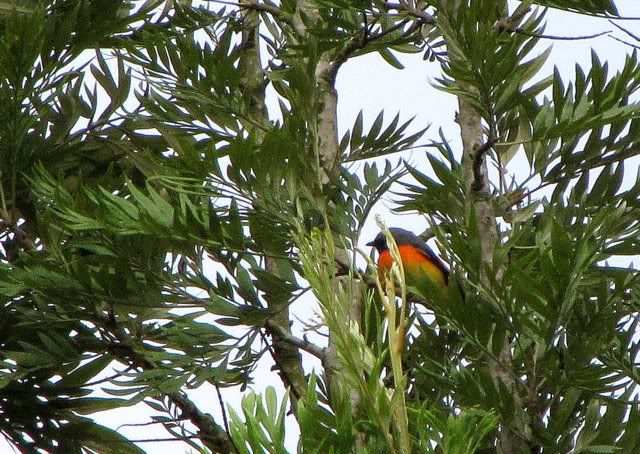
x=328 y=158
x=286 y=355
x=479 y=200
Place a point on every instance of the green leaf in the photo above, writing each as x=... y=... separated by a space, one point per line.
x=388 y=56
x=89 y=405
x=83 y=374
x=99 y=438
x=245 y=285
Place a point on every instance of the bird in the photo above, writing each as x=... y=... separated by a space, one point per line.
x=418 y=260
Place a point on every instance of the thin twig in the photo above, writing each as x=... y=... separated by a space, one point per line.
x=606 y=16
x=354 y=45
x=560 y=38
x=225 y=419
x=358 y=43
x=145 y=424
x=155 y=440
x=508 y=25
x=633 y=35
x=108 y=379
x=634 y=46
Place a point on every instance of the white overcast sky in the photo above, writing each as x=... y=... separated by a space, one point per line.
x=369 y=84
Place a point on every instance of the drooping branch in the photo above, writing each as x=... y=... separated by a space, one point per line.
x=510 y=24
x=212 y=435
x=358 y=43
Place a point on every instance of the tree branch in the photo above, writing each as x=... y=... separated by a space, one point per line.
x=263 y=7
x=634 y=46
x=278 y=332
x=481 y=204
x=626 y=31
x=508 y=25
x=253 y=6
x=358 y=43
x=210 y=433
x=425 y=17
x=522 y=31
x=286 y=355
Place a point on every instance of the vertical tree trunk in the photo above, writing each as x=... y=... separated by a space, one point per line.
x=286 y=356
x=479 y=201
x=327 y=155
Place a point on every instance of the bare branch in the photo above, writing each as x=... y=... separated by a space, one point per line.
x=358 y=43
x=153 y=440
x=629 y=33
x=508 y=25
x=560 y=38
x=224 y=418
x=354 y=45
x=635 y=46
x=284 y=335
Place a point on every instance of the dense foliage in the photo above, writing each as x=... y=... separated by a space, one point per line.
x=159 y=216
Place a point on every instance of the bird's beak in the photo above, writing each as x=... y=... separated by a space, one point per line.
x=370 y=243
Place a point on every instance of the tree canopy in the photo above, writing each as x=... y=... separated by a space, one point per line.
x=172 y=181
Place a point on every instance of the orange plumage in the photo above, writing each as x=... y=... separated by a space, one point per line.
x=416 y=265
x=418 y=260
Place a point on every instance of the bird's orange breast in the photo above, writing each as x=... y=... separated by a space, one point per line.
x=416 y=265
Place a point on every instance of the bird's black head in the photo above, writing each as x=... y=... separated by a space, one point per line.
x=401 y=236
x=379 y=242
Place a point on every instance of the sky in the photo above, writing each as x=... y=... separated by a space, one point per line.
x=369 y=84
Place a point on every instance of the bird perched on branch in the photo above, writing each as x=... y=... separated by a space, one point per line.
x=418 y=260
